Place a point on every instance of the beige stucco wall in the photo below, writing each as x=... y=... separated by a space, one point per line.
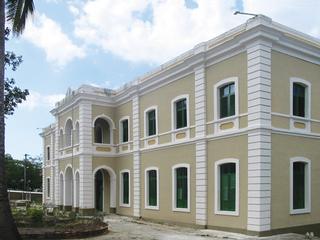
x=63 y=163
x=285 y=147
x=162 y=98
x=294 y=67
x=233 y=147
x=232 y=67
x=165 y=159
x=72 y=113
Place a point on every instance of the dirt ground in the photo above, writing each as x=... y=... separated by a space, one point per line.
x=122 y=228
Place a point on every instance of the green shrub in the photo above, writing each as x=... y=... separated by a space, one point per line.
x=35 y=214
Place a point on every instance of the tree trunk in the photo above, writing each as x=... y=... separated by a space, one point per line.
x=8 y=229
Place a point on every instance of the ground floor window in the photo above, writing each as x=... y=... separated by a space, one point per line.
x=300 y=185
x=48 y=187
x=181 y=188
x=152 y=189
x=125 y=188
x=227 y=186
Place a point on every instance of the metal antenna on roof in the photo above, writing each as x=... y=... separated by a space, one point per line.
x=244 y=13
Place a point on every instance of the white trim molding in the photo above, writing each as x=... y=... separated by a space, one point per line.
x=307 y=197
x=177 y=131
x=216 y=103
x=121 y=204
x=146 y=189
x=174 y=186
x=217 y=189
x=303 y=121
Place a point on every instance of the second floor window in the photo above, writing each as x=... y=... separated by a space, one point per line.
x=48 y=153
x=102 y=131
x=125 y=130
x=299 y=100
x=227 y=100
x=151 y=122
x=181 y=113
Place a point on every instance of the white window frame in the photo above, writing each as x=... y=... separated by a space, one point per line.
x=111 y=126
x=65 y=133
x=121 y=204
x=173 y=112
x=307 y=94
x=307 y=199
x=217 y=165
x=48 y=193
x=146 y=121
x=146 y=188
x=216 y=98
x=174 y=208
x=61 y=139
x=77 y=132
x=121 y=129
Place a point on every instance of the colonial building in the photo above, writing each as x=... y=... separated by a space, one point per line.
x=225 y=136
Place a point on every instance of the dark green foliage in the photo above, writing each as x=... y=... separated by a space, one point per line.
x=36 y=214
x=13 y=95
x=14 y=173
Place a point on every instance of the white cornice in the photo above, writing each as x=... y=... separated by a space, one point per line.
x=236 y=40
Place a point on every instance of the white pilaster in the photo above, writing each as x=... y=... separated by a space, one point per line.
x=136 y=156
x=85 y=147
x=259 y=138
x=201 y=146
x=56 y=164
x=52 y=166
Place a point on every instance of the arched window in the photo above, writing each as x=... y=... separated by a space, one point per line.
x=180 y=112
x=300 y=97
x=152 y=188
x=102 y=131
x=68 y=133
x=61 y=144
x=76 y=137
x=181 y=187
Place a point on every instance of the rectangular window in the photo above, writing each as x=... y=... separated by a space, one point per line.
x=125 y=130
x=182 y=187
x=151 y=118
x=152 y=188
x=228 y=187
x=125 y=188
x=48 y=187
x=299 y=191
x=48 y=153
x=299 y=93
x=181 y=113
x=227 y=100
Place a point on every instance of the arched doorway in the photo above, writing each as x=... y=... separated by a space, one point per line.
x=104 y=189
x=61 y=189
x=68 y=187
x=77 y=189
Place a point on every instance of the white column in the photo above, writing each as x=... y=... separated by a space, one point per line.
x=136 y=156
x=52 y=167
x=201 y=146
x=85 y=148
x=56 y=165
x=259 y=137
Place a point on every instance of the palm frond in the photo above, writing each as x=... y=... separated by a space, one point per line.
x=17 y=13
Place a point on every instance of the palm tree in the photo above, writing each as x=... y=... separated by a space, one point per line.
x=17 y=13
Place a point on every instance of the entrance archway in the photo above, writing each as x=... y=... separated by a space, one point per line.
x=104 y=189
x=77 y=189
x=68 y=187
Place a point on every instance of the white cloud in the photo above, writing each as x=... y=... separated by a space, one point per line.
x=45 y=33
x=36 y=99
x=154 y=31
x=171 y=28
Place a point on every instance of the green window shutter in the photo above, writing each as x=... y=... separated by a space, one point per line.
x=181 y=113
x=228 y=187
x=151 y=122
x=298 y=100
x=152 y=187
x=299 y=185
x=125 y=130
x=227 y=100
x=182 y=187
x=125 y=188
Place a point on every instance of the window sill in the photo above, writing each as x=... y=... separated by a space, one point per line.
x=299 y=211
x=152 y=208
x=227 y=213
x=124 y=205
x=186 y=210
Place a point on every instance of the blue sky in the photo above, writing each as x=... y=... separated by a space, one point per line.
x=107 y=43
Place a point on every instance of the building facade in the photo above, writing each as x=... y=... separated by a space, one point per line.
x=225 y=136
